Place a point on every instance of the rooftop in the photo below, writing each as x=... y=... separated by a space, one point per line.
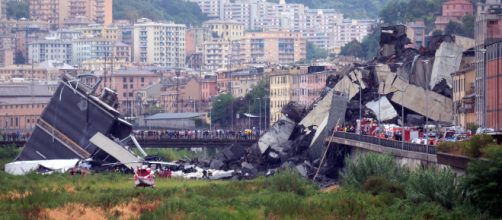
x=181 y=115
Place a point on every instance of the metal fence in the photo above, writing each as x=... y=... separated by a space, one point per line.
x=430 y=149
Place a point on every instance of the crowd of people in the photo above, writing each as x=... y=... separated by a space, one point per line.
x=14 y=136
x=155 y=134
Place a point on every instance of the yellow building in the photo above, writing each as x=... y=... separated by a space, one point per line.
x=463 y=92
x=283 y=82
x=226 y=30
x=274 y=47
x=102 y=31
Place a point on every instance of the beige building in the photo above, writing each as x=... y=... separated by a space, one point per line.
x=161 y=44
x=181 y=95
x=52 y=11
x=463 y=92
x=281 y=84
x=99 y=11
x=274 y=47
x=101 y=31
x=225 y=29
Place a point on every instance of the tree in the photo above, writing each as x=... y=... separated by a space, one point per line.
x=353 y=48
x=314 y=52
x=18 y=9
x=454 y=28
x=221 y=111
x=483 y=182
x=468 y=23
x=183 y=12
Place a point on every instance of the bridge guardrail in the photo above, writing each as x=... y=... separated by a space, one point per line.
x=429 y=149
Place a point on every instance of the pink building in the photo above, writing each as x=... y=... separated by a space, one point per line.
x=453 y=10
x=457 y=9
x=208 y=88
x=311 y=86
x=127 y=81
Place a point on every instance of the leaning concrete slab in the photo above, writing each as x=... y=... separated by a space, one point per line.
x=447 y=61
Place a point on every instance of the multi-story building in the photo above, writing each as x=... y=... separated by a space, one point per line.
x=300 y=84
x=278 y=47
x=159 y=43
x=99 y=49
x=225 y=29
x=126 y=82
x=106 y=32
x=48 y=72
x=3 y=9
x=453 y=10
x=27 y=31
x=52 y=11
x=347 y=31
x=244 y=80
x=487 y=29
x=208 y=88
x=21 y=105
x=212 y=8
x=181 y=95
x=494 y=85
x=6 y=49
x=463 y=91
x=217 y=54
x=99 y=11
x=50 y=49
x=416 y=33
x=194 y=40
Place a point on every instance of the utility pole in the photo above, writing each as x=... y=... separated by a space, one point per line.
x=177 y=89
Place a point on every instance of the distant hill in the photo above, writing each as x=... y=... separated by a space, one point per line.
x=350 y=8
x=179 y=11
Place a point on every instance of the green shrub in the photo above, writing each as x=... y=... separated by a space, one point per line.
x=357 y=172
x=442 y=186
x=9 y=153
x=378 y=185
x=476 y=144
x=289 y=181
x=483 y=182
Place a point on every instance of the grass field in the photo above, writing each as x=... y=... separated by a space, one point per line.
x=283 y=196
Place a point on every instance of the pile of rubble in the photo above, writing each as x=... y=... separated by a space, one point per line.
x=400 y=86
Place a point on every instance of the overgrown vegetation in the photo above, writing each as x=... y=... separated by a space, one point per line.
x=367 y=49
x=182 y=12
x=171 y=154
x=479 y=193
x=474 y=148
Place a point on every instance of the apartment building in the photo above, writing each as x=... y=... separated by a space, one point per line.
x=50 y=49
x=7 y=42
x=181 y=95
x=453 y=10
x=110 y=32
x=494 y=85
x=278 y=47
x=225 y=29
x=52 y=11
x=349 y=30
x=487 y=29
x=208 y=88
x=160 y=44
x=416 y=33
x=98 y=11
x=87 y=49
x=48 y=71
x=3 y=9
x=463 y=91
